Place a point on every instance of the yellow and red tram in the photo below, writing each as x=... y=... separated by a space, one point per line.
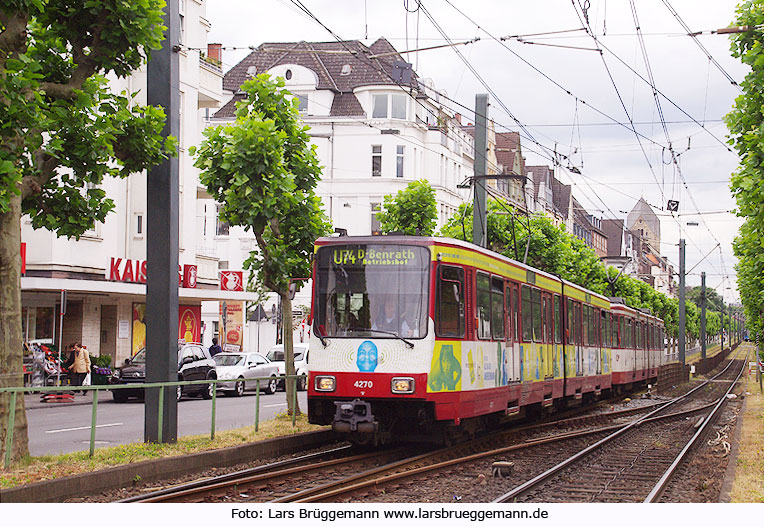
x=420 y=337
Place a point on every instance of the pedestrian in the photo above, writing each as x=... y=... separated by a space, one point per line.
x=78 y=364
x=215 y=349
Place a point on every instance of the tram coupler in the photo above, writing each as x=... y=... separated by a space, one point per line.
x=354 y=416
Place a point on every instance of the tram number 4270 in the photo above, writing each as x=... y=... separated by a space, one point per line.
x=363 y=384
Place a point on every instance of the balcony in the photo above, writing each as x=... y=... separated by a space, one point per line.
x=210 y=83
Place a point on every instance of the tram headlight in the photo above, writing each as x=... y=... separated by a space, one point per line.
x=325 y=383
x=402 y=385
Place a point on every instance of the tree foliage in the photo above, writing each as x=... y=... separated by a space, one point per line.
x=264 y=171
x=62 y=132
x=412 y=211
x=746 y=126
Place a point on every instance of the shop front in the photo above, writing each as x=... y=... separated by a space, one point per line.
x=108 y=317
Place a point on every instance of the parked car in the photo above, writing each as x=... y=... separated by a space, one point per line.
x=194 y=364
x=241 y=369
x=301 y=354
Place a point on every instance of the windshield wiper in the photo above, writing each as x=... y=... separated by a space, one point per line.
x=323 y=339
x=393 y=333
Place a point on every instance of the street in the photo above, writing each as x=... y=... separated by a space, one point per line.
x=56 y=429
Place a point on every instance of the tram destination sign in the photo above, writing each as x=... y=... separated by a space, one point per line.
x=376 y=255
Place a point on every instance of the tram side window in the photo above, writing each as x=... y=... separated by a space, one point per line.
x=548 y=320
x=557 y=319
x=629 y=333
x=537 y=325
x=604 y=328
x=527 y=312
x=450 y=306
x=570 y=332
x=512 y=312
x=484 y=306
x=497 y=307
x=622 y=332
x=585 y=325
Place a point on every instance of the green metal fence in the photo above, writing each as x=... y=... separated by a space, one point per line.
x=14 y=391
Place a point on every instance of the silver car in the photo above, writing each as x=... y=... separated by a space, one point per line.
x=301 y=353
x=240 y=370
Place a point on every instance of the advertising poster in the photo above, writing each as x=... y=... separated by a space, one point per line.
x=189 y=325
x=231 y=325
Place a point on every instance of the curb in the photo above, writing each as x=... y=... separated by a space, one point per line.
x=58 y=490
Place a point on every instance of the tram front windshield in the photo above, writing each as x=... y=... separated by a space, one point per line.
x=372 y=290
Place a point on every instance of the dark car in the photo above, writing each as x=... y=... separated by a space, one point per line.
x=194 y=363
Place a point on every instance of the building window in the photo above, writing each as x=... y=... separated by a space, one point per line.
x=182 y=13
x=139 y=224
x=379 y=110
x=391 y=106
x=375 y=225
x=376 y=160
x=302 y=105
x=222 y=226
x=399 y=160
x=398 y=106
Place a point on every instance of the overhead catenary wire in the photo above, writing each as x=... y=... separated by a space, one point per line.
x=695 y=39
x=591 y=33
x=535 y=142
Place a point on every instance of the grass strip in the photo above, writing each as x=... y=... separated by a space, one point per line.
x=41 y=468
x=748 y=485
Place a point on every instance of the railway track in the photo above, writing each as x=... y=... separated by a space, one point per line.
x=634 y=463
x=345 y=464
x=346 y=475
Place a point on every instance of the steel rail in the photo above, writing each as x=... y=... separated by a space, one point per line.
x=232 y=476
x=599 y=444
x=657 y=492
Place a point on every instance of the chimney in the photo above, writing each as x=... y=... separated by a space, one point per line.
x=458 y=118
x=215 y=52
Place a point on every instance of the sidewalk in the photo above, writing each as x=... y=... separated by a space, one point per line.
x=32 y=401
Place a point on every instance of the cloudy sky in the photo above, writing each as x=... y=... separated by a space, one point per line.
x=558 y=89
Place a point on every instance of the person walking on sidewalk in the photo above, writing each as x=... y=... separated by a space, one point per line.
x=78 y=364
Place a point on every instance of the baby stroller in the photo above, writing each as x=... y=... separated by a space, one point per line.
x=52 y=368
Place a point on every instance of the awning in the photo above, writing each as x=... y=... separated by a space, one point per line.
x=137 y=291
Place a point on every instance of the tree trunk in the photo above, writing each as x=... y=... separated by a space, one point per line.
x=11 y=363
x=288 y=340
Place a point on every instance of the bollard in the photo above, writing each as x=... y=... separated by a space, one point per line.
x=294 y=402
x=214 y=399
x=257 y=406
x=11 y=424
x=160 y=417
x=93 y=418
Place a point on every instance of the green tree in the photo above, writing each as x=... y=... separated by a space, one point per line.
x=412 y=210
x=713 y=299
x=264 y=171
x=62 y=132
x=745 y=123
